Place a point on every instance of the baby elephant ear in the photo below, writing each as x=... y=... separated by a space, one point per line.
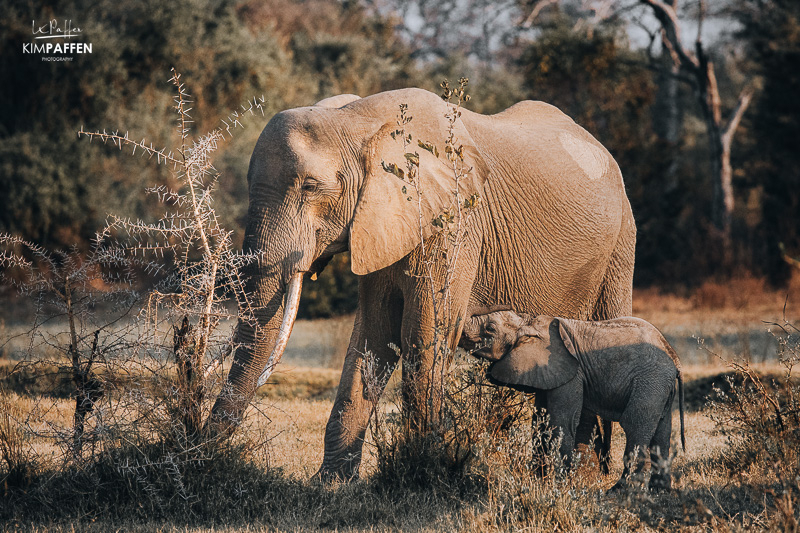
x=536 y=361
x=568 y=331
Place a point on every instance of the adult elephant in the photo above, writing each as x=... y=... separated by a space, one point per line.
x=553 y=234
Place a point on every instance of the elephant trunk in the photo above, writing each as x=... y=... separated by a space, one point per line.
x=261 y=345
x=477 y=310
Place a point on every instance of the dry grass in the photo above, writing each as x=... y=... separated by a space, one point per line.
x=705 y=496
x=724 y=482
x=715 y=306
x=731 y=319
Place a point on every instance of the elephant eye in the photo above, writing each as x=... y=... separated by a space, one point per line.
x=310 y=185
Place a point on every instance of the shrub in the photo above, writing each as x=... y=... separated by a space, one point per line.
x=761 y=420
x=142 y=385
x=455 y=452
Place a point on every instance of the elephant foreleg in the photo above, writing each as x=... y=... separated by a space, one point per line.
x=430 y=332
x=564 y=407
x=426 y=356
x=368 y=365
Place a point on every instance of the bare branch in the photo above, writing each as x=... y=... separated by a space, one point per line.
x=701 y=15
x=745 y=97
x=537 y=9
x=666 y=15
x=123 y=140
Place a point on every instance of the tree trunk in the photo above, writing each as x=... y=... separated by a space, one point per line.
x=668 y=116
x=703 y=77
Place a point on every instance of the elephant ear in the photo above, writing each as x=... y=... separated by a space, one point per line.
x=569 y=331
x=536 y=361
x=390 y=219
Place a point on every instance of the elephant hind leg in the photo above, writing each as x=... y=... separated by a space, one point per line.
x=634 y=461
x=615 y=298
x=639 y=430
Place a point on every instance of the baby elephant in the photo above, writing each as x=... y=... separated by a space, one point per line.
x=622 y=370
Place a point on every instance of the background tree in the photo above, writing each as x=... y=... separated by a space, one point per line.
x=771 y=30
x=657 y=112
x=699 y=65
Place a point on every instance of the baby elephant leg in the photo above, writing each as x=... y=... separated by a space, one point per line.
x=564 y=405
x=633 y=461
x=591 y=433
x=660 y=478
x=639 y=430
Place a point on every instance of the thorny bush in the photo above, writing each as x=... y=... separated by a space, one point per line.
x=143 y=382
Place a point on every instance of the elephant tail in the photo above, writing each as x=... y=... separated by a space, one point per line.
x=681 y=407
x=677 y=361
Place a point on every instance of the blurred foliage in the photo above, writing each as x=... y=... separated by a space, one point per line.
x=60 y=192
x=771 y=30
x=57 y=194
x=295 y=52
x=335 y=291
x=595 y=78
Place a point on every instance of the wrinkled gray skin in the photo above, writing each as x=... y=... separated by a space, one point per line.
x=553 y=234
x=622 y=370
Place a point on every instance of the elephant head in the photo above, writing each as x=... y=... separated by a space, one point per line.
x=318 y=186
x=528 y=353
x=488 y=332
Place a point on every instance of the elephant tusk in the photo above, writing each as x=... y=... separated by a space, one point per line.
x=289 y=314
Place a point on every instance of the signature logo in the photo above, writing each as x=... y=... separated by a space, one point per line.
x=55 y=29
x=52 y=30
